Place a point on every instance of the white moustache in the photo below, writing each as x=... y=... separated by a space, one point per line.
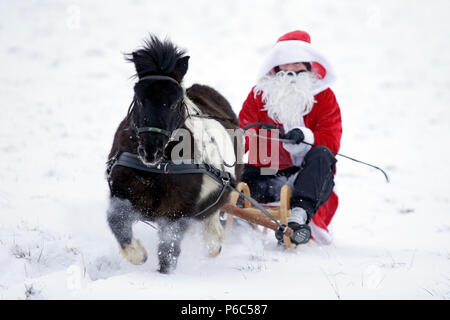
x=287 y=96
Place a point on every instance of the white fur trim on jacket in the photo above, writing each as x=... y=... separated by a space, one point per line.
x=298 y=151
x=291 y=51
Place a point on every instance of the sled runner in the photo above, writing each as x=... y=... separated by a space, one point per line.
x=254 y=215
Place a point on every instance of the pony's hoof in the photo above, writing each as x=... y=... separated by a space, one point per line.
x=214 y=250
x=134 y=252
x=214 y=234
x=165 y=269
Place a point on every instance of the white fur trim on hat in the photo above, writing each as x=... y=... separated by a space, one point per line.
x=290 y=51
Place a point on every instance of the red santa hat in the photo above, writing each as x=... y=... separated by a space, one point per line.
x=296 y=46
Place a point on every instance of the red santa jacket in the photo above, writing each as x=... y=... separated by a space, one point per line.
x=325 y=123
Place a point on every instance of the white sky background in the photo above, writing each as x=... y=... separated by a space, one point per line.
x=64 y=87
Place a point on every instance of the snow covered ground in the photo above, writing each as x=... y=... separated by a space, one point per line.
x=64 y=87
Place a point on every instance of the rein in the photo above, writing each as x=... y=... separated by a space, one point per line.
x=271 y=126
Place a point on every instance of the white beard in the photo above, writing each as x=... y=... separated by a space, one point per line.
x=287 y=96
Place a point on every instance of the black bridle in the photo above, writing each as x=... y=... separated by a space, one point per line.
x=153 y=129
x=142 y=130
x=167 y=133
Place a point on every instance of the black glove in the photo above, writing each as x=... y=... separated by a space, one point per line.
x=295 y=135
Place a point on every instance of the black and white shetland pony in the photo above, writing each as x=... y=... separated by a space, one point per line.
x=171 y=200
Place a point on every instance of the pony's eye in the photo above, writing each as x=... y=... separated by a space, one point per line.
x=173 y=106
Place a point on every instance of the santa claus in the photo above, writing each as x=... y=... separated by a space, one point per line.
x=293 y=92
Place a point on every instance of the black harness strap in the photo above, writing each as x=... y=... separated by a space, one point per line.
x=160 y=77
x=153 y=129
x=130 y=160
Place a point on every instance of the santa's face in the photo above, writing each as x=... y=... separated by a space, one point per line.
x=294 y=67
x=287 y=95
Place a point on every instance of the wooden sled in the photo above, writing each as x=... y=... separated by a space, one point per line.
x=255 y=216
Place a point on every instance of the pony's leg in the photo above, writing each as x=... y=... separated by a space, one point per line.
x=170 y=235
x=120 y=219
x=213 y=233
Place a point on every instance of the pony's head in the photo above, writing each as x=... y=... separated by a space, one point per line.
x=158 y=106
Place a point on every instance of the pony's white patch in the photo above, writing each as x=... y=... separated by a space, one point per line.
x=135 y=252
x=208 y=185
x=213 y=146
x=213 y=234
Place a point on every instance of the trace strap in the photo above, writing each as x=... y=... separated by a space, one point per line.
x=261 y=208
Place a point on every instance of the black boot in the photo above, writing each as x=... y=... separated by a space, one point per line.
x=301 y=234
x=298 y=223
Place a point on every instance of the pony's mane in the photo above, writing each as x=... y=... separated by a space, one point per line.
x=155 y=57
